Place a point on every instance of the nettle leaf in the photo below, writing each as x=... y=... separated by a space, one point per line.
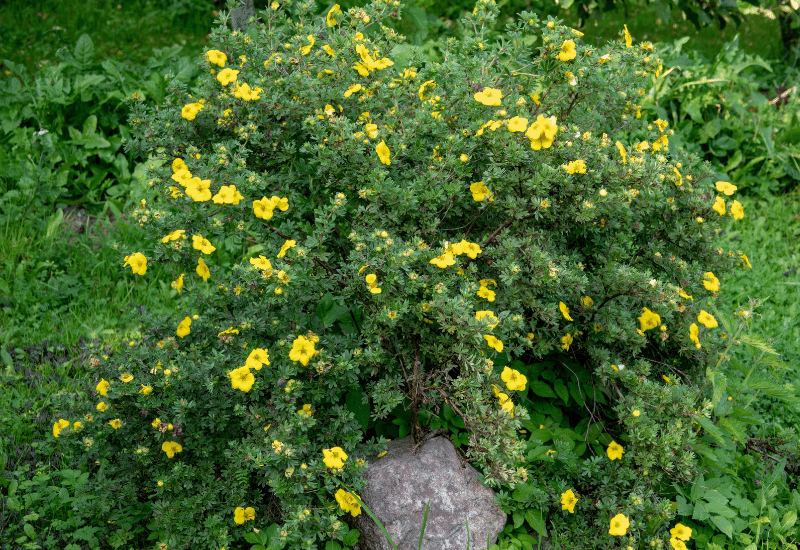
x=735 y=428
x=541 y=389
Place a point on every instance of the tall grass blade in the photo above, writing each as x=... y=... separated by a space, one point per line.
x=424 y=523
x=378 y=523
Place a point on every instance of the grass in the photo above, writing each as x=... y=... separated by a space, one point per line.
x=771 y=239
x=34 y=31
x=65 y=281
x=757 y=34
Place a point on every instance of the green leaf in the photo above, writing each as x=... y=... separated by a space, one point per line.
x=13 y=67
x=351 y=537
x=536 y=520
x=29 y=530
x=711 y=429
x=723 y=524
x=354 y=403
x=758 y=342
x=7 y=361
x=333 y=545
x=84 y=52
x=561 y=390
x=733 y=427
x=519 y=519
x=252 y=538
x=788 y=521
x=522 y=492
x=541 y=389
x=576 y=393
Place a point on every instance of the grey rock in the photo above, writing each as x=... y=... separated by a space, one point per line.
x=399 y=486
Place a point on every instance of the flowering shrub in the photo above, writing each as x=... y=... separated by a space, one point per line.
x=372 y=233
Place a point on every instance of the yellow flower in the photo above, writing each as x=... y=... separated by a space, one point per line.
x=307 y=410
x=575 y=167
x=587 y=301
x=348 y=502
x=116 y=423
x=302 y=350
x=291 y=243
x=60 y=425
x=198 y=189
x=227 y=195
x=515 y=381
x=566 y=342
x=491 y=318
x=619 y=526
x=202 y=269
x=383 y=153
x=746 y=261
x=127 y=377
x=102 y=387
x=649 y=319
x=465 y=247
x=240 y=515
x=725 y=187
x=485 y=292
x=542 y=132
x=177 y=284
x=707 y=319
x=719 y=206
x=489 y=96
x=564 y=311
x=171 y=447
x=628 y=38
x=666 y=379
x=567 y=52
x=242 y=379
x=305 y=50
x=677 y=544
x=736 y=211
x=137 y=263
x=146 y=390
x=517 y=124
x=710 y=282
x=174 y=235
x=615 y=451
x=216 y=57
x=183 y=327
x=333 y=14
x=258 y=357
x=493 y=342
x=334 y=458
x=102 y=406
x=277 y=446
x=679 y=178
x=569 y=499
x=263 y=208
x=637 y=413
x=622 y=152
x=190 y=110
x=226 y=76
x=443 y=261
x=203 y=245
x=480 y=192
x=681 y=532
x=352 y=89
x=463 y=158
x=693 y=334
